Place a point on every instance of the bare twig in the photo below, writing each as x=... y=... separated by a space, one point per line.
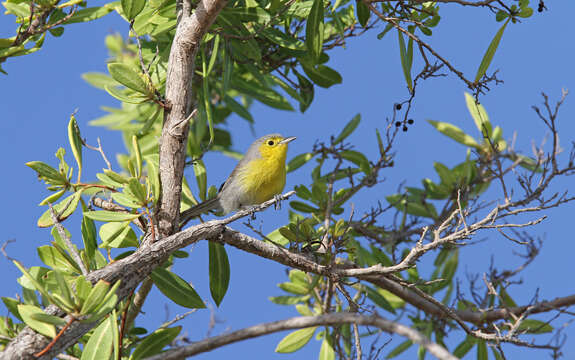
x=62 y=232
x=304 y=322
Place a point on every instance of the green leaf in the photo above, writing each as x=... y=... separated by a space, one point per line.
x=177 y=289
x=207 y=99
x=500 y=16
x=138 y=155
x=263 y=94
x=326 y=351
x=99 y=345
x=455 y=133
x=47 y=173
x=314 y=30
x=526 y=12
x=295 y=340
x=298 y=161
x=201 y=177
x=277 y=238
x=12 y=306
x=481 y=350
x=89 y=14
x=406 y=56
x=322 y=75
x=155 y=342
x=358 y=159
x=75 y=140
x=88 y=229
x=118 y=235
x=127 y=76
x=52 y=198
x=136 y=190
x=447 y=176
x=27 y=313
x=106 y=305
x=219 y=271
x=479 y=115
x=48 y=319
x=107 y=216
x=488 y=56
x=238 y=108
x=532 y=326
x=248 y=14
x=288 y=299
x=362 y=12
x=152 y=162
x=83 y=288
x=348 y=129
x=464 y=347
x=64 y=208
x=379 y=300
x=132 y=8
x=506 y=299
x=306 y=91
x=228 y=67
x=54 y=259
x=99 y=80
x=413 y=206
x=303 y=207
x=399 y=349
x=496 y=353
x=294 y=288
x=284 y=40
x=126 y=200
x=125 y=96
x=94 y=299
x=33 y=281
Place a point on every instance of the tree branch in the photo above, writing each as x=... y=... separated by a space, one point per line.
x=131 y=271
x=179 y=100
x=303 y=322
x=306 y=263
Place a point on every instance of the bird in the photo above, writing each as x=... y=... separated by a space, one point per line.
x=259 y=176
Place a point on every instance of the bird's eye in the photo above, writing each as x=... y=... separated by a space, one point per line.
x=270 y=142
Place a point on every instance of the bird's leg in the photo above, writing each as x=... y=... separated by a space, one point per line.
x=278 y=203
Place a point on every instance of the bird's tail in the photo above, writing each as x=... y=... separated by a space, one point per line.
x=199 y=209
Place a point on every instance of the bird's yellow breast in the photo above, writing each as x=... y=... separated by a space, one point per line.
x=266 y=176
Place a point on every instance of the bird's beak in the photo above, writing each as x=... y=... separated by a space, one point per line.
x=287 y=140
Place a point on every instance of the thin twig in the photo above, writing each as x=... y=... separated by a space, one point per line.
x=62 y=232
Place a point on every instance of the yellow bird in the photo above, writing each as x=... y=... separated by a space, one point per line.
x=258 y=177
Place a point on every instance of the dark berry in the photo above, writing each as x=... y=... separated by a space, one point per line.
x=404 y=128
x=397 y=106
x=410 y=121
x=397 y=123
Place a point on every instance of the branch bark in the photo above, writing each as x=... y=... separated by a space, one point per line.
x=179 y=101
x=131 y=271
x=306 y=263
x=190 y=30
x=303 y=322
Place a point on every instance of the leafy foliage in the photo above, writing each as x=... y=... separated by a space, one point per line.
x=275 y=53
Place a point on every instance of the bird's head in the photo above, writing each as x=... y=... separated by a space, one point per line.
x=273 y=146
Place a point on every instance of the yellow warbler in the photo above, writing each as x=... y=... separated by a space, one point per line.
x=258 y=177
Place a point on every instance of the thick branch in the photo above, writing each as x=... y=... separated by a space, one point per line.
x=131 y=271
x=303 y=322
x=306 y=263
x=179 y=100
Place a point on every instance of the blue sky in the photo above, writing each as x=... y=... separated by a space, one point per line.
x=43 y=89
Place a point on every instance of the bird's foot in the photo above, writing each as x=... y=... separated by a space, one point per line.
x=278 y=203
